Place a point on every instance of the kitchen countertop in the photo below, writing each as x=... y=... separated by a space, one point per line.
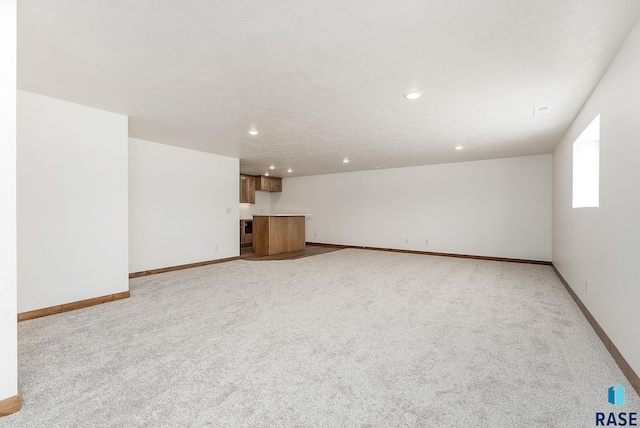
x=274 y=215
x=282 y=215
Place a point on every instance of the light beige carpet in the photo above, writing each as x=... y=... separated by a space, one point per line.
x=350 y=338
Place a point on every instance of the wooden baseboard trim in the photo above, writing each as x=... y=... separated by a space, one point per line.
x=626 y=369
x=71 y=306
x=430 y=253
x=179 y=267
x=10 y=405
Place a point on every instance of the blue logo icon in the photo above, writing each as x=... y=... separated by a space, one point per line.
x=616 y=395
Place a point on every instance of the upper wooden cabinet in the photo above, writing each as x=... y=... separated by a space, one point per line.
x=247 y=189
x=263 y=183
x=276 y=184
x=269 y=184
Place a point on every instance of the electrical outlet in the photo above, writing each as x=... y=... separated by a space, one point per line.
x=426 y=242
x=406 y=241
x=260 y=210
x=216 y=248
x=228 y=210
x=315 y=235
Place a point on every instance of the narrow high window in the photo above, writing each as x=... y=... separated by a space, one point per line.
x=586 y=167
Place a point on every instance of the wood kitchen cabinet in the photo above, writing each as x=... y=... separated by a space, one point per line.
x=276 y=184
x=247 y=189
x=280 y=233
x=269 y=184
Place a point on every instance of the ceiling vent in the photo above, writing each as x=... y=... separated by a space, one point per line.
x=540 y=110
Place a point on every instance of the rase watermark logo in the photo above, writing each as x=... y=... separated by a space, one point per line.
x=615 y=396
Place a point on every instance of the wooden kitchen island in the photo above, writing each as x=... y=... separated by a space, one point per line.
x=278 y=233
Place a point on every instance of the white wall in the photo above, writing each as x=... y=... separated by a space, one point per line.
x=600 y=245
x=182 y=204
x=262 y=205
x=72 y=202
x=499 y=208
x=8 y=328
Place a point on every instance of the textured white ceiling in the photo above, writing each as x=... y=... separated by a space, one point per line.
x=322 y=80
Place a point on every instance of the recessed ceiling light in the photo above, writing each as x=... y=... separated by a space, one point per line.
x=289 y=170
x=345 y=160
x=379 y=167
x=413 y=95
x=459 y=147
x=252 y=132
x=272 y=167
x=266 y=174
